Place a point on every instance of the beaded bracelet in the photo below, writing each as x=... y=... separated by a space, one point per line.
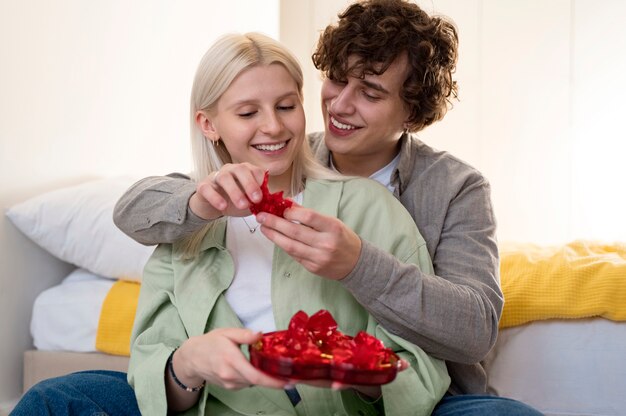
x=170 y=364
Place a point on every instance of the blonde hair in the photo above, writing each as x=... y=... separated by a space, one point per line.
x=221 y=64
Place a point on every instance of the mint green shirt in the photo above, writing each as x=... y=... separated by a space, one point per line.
x=184 y=298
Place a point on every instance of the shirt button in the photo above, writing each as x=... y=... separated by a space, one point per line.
x=287 y=274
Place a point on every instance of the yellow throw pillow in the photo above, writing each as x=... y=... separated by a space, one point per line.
x=577 y=280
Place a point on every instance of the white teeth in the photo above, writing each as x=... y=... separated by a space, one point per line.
x=341 y=125
x=270 y=147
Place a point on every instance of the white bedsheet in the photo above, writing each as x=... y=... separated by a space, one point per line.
x=563 y=367
x=65 y=317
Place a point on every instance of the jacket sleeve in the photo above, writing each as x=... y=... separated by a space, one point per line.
x=452 y=313
x=156 y=210
x=157 y=331
x=419 y=388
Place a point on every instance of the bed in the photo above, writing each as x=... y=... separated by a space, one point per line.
x=561 y=346
x=47 y=238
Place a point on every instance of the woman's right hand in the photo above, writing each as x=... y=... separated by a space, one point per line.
x=224 y=191
x=216 y=357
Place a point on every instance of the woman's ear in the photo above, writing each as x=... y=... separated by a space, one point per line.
x=206 y=125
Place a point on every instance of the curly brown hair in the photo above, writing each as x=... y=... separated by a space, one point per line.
x=377 y=32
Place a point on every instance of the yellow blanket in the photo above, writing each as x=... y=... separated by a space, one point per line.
x=577 y=280
x=117 y=317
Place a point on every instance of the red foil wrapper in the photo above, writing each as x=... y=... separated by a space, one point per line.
x=313 y=348
x=272 y=203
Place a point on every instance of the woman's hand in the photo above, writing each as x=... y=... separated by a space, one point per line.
x=323 y=245
x=217 y=358
x=224 y=192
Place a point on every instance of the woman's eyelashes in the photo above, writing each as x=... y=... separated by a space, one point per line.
x=250 y=113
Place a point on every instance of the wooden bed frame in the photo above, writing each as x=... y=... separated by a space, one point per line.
x=40 y=365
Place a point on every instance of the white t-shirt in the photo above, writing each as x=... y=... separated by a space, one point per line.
x=382 y=176
x=250 y=294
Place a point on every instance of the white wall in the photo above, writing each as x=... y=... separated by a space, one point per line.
x=103 y=87
x=92 y=89
x=524 y=115
x=597 y=118
x=542 y=98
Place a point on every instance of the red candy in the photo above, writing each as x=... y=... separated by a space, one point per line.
x=272 y=203
x=312 y=347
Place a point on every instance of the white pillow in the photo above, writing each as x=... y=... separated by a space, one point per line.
x=75 y=224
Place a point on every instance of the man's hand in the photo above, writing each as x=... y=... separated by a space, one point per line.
x=323 y=245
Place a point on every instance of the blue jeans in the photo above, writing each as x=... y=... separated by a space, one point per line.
x=479 y=405
x=107 y=393
x=86 y=393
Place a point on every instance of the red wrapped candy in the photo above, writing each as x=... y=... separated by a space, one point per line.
x=313 y=348
x=272 y=203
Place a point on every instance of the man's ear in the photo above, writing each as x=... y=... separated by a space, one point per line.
x=206 y=125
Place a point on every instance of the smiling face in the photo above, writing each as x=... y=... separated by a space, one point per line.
x=364 y=118
x=260 y=120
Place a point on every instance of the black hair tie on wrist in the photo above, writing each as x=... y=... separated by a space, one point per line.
x=170 y=365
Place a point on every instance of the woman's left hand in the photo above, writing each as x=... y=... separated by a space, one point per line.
x=322 y=244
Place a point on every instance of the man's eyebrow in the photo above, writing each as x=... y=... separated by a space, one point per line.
x=374 y=86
